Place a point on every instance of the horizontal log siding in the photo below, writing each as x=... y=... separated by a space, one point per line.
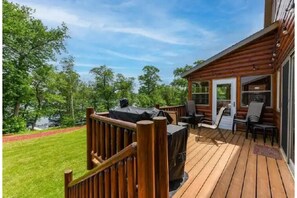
x=237 y=64
x=286 y=19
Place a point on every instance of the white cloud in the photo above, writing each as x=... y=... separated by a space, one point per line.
x=166 y=30
x=146 y=58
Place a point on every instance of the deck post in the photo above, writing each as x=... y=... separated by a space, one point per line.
x=157 y=106
x=161 y=157
x=145 y=159
x=67 y=179
x=90 y=111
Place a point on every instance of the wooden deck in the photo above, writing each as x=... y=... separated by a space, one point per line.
x=218 y=169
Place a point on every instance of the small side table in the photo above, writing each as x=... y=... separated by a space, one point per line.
x=265 y=127
x=192 y=120
x=187 y=119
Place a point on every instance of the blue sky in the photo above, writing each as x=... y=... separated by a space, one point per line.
x=127 y=35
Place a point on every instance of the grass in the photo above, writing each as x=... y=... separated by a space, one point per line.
x=35 y=168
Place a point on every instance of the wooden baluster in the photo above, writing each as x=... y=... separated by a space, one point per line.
x=91 y=185
x=126 y=143
x=83 y=186
x=93 y=136
x=107 y=183
x=107 y=140
x=77 y=190
x=102 y=140
x=122 y=180
x=97 y=138
x=134 y=139
x=130 y=175
x=126 y=138
x=161 y=157
x=89 y=138
x=113 y=140
x=67 y=179
x=145 y=159
x=114 y=182
x=101 y=185
x=86 y=188
x=119 y=139
x=96 y=186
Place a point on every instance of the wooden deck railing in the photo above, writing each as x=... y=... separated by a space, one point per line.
x=180 y=110
x=110 y=179
x=106 y=137
x=108 y=142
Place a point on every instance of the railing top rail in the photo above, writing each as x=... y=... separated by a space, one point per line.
x=102 y=113
x=169 y=107
x=119 y=123
x=126 y=152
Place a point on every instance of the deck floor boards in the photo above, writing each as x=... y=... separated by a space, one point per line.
x=219 y=169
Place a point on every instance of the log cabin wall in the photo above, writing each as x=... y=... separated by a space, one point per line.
x=286 y=17
x=237 y=64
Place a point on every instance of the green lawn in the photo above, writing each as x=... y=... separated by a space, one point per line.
x=35 y=168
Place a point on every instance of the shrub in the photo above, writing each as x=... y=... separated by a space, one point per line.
x=14 y=125
x=67 y=121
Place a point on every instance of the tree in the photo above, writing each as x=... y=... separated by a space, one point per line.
x=104 y=88
x=180 y=84
x=27 y=45
x=124 y=87
x=198 y=62
x=44 y=95
x=149 y=81
x=68 y=83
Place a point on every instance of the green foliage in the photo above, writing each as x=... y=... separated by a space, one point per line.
x=124 y=88
x=180 y=85
x=68 y=85
x=67 y=121
x=104 y=87
x=149 y=84
x=27 y=46
x=14 y=124
x=32 y=88
x=149 y=81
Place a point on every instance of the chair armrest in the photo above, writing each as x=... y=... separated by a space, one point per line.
x=236 y=116
x=253 y=119
x=207 y=121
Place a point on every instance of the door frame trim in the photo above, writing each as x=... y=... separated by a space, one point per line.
x=286 y=157
x=234 y=82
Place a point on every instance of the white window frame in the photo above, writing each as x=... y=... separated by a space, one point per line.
x=200 y=93
x=271 y=88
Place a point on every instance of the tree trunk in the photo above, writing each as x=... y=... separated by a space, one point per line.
x=72 y=106
x=17 y=108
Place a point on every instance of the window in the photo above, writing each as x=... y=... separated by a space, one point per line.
x=200 y=92
x=256 y=88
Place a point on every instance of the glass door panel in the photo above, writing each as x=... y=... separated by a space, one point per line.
x=224 y=98
x=224 y=94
